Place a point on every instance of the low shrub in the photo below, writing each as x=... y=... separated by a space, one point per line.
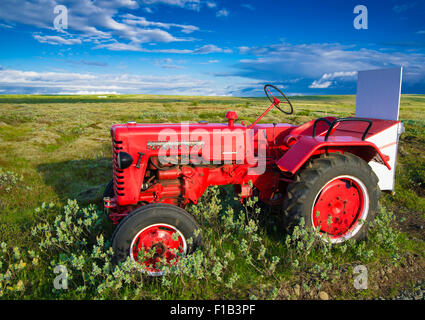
x=237 y=259
x=9 y=180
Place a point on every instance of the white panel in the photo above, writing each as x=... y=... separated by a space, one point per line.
x=378 y=93
x=387 y=142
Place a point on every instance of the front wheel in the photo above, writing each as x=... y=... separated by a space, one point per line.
x=336 y=194
x=162 y=230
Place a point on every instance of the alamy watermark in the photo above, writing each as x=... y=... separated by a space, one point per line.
x=61 y=19
x=361 y=20
x=361 y=278
x=61 y=281
x=212 y=147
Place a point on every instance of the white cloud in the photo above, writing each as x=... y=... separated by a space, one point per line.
x=421 y=32
x=176 y=51
x=131 y=4
x=87 y=92
x=168 y=63
x=10 y=76
x=187 y=4
x=56 y=40
x=37 y=13
x=223 y=13
x=244 y=49
x=320 y=85
x=141 y=21
x=312 y=61
x=210 y=48
x=18 y=81
x=210 y=61
x=334 y=75
x=98 y=22
x=88 y=63
x=324 y=82
x=172 y=66
x=211 y=4
x=117 y=46
x=184 y=4
x=206 y=49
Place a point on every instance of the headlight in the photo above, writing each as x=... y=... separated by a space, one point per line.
x=124 y=160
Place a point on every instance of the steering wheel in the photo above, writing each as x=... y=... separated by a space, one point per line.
x=276 y=101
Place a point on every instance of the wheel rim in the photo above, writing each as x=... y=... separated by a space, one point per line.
x=158 y=237
x=344 y=202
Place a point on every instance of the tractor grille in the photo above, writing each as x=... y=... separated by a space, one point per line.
x=118 y=173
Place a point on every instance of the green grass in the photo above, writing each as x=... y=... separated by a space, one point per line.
x=60 y=146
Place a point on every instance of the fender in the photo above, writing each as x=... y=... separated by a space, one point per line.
x=306 y=147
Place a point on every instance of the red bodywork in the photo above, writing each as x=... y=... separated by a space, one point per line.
x=288 y=148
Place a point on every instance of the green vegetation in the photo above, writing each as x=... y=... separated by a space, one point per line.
x=56 y=148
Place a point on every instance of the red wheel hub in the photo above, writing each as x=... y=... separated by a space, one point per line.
x=165 y=241
x=339 y=207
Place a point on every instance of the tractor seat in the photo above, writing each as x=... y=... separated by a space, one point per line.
x=306 y=129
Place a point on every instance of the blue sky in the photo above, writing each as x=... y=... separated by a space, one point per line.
x=206 y=47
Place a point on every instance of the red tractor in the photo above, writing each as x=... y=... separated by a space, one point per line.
x=326 y=170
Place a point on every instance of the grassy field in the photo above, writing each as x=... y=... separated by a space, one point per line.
x=55 y=148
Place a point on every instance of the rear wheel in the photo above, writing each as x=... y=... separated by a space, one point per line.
x=335 y=194
x=161 y=229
